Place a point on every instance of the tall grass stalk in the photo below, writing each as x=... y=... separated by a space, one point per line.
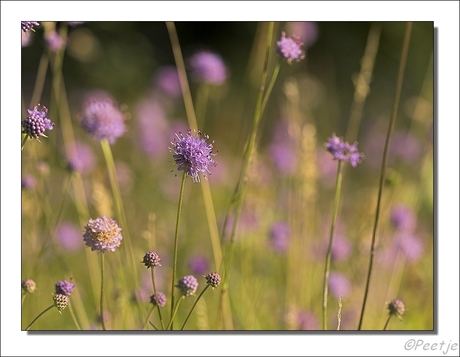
x=394 y=110
x=101 y=301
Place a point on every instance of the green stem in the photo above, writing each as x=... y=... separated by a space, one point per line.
x=399 y=81
x=33 y=321
x=24 y=140
x=156 y=296
x=102 y=292
x=148 y=317
x=193 y=307
x=73 y=317
x=176 y=239
x=338 y=186
x=170 y=325
x=386 y=323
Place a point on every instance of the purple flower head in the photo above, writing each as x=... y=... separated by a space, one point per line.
x=280 y=234
x=289 y=48
x=396 y=308
x=139 y=296
x=341 y=248
x=64 y=287
x=343 y=151
x=29 y=286
x=151 y=260
x=60 y=301
x=54 y=42
x=167 y=81
x=213 y=279
x=339 y=285
x=28 y=182
x=207 y=67
x=198 y=265
x=75 y=23
x=68 y=235
x=102 y=234
x=26 y=37
x=81 y=158
x=410 y=245
x=158 y=300
x=403 y=218
x=36 y=123
x=187 y=285
x=28 y=25
x=193 y=154
x=307 y=31
x=306 y=320
x=282 y=150
x=103 y=120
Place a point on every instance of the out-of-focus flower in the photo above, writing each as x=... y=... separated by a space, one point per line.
x=28 y=285
x=75 y=23
x=151 y=260
x=343 y=151
x=26 y=37
x=158 y=300
x=213 y=279
x=102 y=234
x=306 y=321
x=28 y=182
x=396 y=308
x=207 y=67
x=69 y=236
x=198 y=265
x=103 y=120
x=54 y=42
x=29 y=25
x=307 y=31
x=280 y=234
x=339 y=285
x=410 y=245
x=167 y=81
x=193 y=154
x=81 y=158
x=282 y=149
x=187 y=285
x=35 y=125
x=289 y=48
x=341 y=248
x=403 y=218
x=64 y=287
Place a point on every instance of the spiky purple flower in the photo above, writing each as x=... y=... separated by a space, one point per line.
x=343 y=151
x=207 y=67
x=102 y=119
x=151 y=260
x=102 y=234
x=64 y=287
x=28 y=285
x=213 y=279
x=396 y=308
x=193 y=154
x=60 y=301
x=28 y=25
x=158 y=300
x=187 y=285
x=35 y=125
x=289 y=48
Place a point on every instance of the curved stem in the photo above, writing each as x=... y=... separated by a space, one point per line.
x=338 y=186
x=193 y=307
x=40 y=314
x=399 y=81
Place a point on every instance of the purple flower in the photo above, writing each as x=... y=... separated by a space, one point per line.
x=64 y=287
x=282 y=149
x=307 y=31
x=207 y=67
x=158 y=300
x=339 y=285
x=102 y=234
x=26 y=37
x=167 y=81
x=289 y=48
x=68 y=235
x=213 y=279
x=403 y=218
x=410 y=245
x=280 y=234
x=28 y=25
x=151 y=260
x=198 y=265
x=36 y=123
x=396 y=308
x=81 y=158
x=193 y=154
x=29 y=286
x=28 y=182
x=103 y=120
x=75 y=23
x=187 y=285
x=54 y=42
x=341 y=248
x=306 y=320
x=343 y=151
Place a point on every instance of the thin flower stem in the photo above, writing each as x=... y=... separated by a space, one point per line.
x=148 y=317
x=386 y=323
x=39 y=315
x=193 y=307
x=156 y=296
x=176 y=239
x=102 y=292
x=73 y=317
x=40 y=81
x=338 y=186
x=153 y=326
x=394 y=110
x=170 y=325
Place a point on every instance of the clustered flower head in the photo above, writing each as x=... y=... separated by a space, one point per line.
x=289 y=48
x=187 y=285
x=102 y=234
x=213 y=279
x=28 y=25
x=36 y=123
x=343 y=151
x=60 y=301
x=64 y=287
x=207 y=67
x=158 y=300
x=151 y=260
x=103 y=120
x=193 y=154
x=29 y=286
x=396 y=308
